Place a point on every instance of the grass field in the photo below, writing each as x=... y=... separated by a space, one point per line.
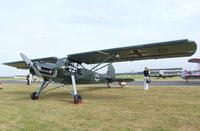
x=118 y=109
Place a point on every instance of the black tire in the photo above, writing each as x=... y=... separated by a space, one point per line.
x=33 y=96
x=77 y=99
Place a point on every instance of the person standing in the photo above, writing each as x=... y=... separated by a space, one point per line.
x=28 y=78
x=146 y=78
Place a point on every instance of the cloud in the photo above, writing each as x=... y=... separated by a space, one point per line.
x=38 y=27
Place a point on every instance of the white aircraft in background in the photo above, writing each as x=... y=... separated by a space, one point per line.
x=165 y=72
x=187 y=75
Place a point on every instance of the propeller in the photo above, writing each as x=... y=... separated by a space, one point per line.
x=26 y=60
x=30 y=64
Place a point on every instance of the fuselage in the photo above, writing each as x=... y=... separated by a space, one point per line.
x=62 y=75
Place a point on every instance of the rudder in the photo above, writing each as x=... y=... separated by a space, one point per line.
x=110 y=75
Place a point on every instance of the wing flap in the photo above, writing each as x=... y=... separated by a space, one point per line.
x=169 y=49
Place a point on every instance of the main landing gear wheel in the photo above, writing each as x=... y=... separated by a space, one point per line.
x=33 y=96
x=77 y=99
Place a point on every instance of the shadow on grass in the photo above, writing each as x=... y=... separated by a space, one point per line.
x=86 y=92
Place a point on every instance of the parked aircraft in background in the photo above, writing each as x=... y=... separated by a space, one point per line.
x=72 y=70
x=165 y=72
x=188 y=75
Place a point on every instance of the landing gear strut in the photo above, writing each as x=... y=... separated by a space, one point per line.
x=77 y=97
x=35 y=95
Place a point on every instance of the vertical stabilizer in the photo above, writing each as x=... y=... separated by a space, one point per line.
x=110 y=72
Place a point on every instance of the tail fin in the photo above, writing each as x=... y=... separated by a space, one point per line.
x=110 y=72
x=161 y=73
x=110 y=77
x=185 y=73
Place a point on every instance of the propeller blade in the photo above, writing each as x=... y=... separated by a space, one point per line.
x=36 y=71
x=26 y=60
x=30 y=64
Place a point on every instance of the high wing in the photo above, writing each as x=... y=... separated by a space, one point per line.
x=23 y=65
x=168 y=49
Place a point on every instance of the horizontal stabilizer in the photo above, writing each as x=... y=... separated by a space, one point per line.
x=124 y=80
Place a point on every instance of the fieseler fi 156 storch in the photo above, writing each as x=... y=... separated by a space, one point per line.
x=71 y=69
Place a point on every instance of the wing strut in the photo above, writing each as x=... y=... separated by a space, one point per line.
x=103 y=66
x=96 y=67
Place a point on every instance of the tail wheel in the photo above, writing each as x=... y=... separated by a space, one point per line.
x=33 y=96
x=122 y=84
x=77 y=99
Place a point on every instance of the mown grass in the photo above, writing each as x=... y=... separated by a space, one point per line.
x=120 y=109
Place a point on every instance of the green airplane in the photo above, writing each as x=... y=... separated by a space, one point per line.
x=72 y=70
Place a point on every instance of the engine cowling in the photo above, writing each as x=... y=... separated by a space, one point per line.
x=46 y=71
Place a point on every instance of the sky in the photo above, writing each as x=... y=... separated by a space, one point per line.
x=43 y=28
